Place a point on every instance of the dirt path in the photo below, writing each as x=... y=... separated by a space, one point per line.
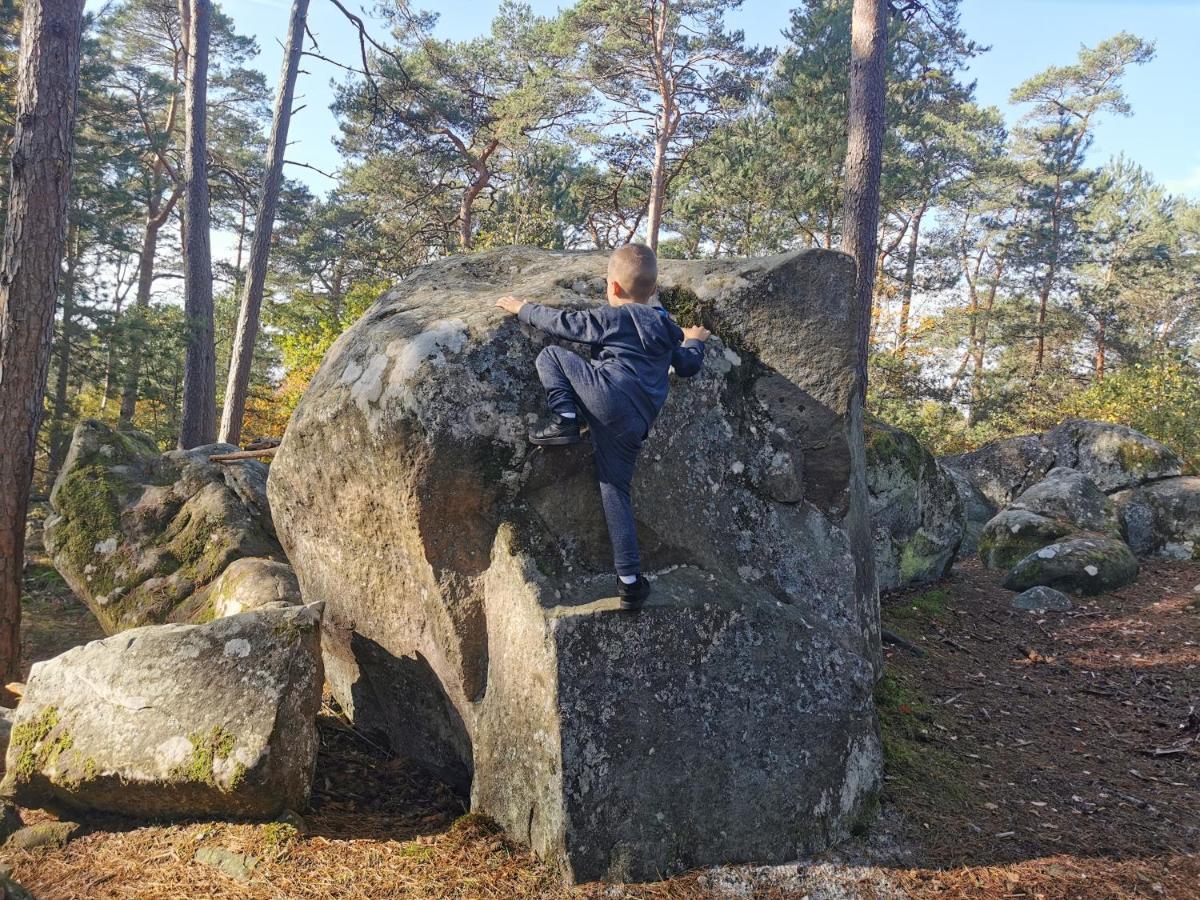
x=1028 y=756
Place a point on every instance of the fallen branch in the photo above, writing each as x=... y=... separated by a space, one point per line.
x=890 y=637
x=243 y=454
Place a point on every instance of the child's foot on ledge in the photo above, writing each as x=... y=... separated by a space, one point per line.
x=634 y=595
x=555 y=431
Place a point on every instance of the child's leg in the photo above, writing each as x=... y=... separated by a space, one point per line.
x=616 y=457
x=560 y=371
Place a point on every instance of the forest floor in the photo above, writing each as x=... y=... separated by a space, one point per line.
x=1028 y=755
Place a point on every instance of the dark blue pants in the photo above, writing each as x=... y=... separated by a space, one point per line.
x=573 y=385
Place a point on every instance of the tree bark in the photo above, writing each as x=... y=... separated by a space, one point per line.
x=860 y=237
x=34 y=233
x=658 y=180
x=198 y=421
x=242 y=355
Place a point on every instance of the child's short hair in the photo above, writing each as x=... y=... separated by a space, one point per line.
x=635 y=268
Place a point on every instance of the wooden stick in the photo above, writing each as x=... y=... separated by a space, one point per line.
x=243 y=454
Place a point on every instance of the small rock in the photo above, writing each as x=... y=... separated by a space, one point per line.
x=1041 y=599
x=10 y=890
x=238 y=866
x=43 y=834
x=293 y=818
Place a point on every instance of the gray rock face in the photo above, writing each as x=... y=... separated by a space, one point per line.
x=1042 y=599
x=140 y=536
x=977 y=510
x=1071 y=497
x=1078 y=565
x=1114 y=456
x=1012 y=534
x=466 y=574
x=175 y=720
x=917 y=515
x=1163 y=518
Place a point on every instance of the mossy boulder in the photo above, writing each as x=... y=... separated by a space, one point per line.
x=1114 y=456
x=1013 y=534
x=171 y=721
x=140 y=535
x=917 y=514
x=978 y=510
x=251 y=583
x=1163 y=518
x=1081 y=564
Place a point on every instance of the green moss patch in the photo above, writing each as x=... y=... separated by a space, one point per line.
x=913 y=763
x=40 y=741
x=208 y=749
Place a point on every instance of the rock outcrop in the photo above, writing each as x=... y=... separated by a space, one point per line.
x=175 y=720
x=1113 y=456
x=1077 y=565
x=917 y=515
x=140 y=536
x=470 y=617
x=1012 y=534
x=1071 y=497
x=1163 y=518
x=977 y=511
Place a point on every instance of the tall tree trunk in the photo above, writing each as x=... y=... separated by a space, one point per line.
x=860 y=236
x=59 y=435
x=242 y=354
x=34 y=232
x=658 y=180
x=910 y=272
x=1101 y=348
x=1051 y=270
x=198 y=423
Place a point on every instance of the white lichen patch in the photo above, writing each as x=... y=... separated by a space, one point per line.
x=864 y=765
x=238 y=648
x=732 y=357
x=106 y=546
x=430 y=346
x=1047 y=553
x=172 y=752
x=367 y=388
x=738 y=467
x=1091 y=570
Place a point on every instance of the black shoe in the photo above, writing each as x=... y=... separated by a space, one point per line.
x=557 y=431
x=633 y=596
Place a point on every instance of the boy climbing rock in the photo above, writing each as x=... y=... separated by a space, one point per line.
x=619 y=393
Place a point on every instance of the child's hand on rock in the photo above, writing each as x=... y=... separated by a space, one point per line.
x=510 y=304
x=696 y=333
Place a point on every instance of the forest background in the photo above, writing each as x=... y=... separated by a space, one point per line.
x=1028 y=270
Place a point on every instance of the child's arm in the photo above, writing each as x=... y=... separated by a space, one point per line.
x=584 y=326
x=688 y=358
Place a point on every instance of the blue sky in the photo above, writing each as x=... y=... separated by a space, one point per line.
x=1163 y=134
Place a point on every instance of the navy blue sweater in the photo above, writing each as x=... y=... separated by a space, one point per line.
x=634 y=344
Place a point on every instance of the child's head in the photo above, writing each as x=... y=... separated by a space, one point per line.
x=632 y=275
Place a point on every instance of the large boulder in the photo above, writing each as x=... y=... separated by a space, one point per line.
x=1012 y=534
x=252 y=583
x=1078 y=565
x=1163 y=518
x=917 y=515
x=175 y=720
x=468 y=577
x=1071 y=497
x=1114 y=456
x=140 y=535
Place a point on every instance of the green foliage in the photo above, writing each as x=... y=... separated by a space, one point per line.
x=1160 y=398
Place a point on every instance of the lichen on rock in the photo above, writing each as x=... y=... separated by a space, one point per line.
x=468 y=576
